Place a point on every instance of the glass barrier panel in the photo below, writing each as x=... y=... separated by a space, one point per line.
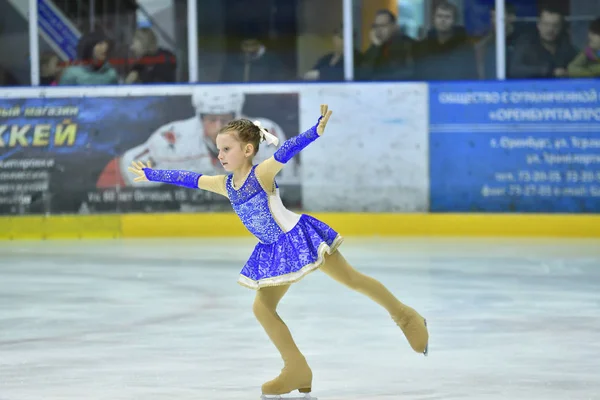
x=407 y=40
x=14 y=43
x=556 y=40
x=101 y=42
x=269 y=41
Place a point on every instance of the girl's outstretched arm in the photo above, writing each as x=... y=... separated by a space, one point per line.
x=189 y=179
x=267 y=169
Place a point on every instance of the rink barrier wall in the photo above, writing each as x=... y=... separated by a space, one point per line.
x=37 y=227
x=455 y=149
x=348 y=224
x=375 y=224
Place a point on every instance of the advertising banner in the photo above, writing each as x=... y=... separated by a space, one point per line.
x=64 y=152
x=526 y=146
x=71 y=154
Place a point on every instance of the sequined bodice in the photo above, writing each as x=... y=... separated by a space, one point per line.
x=251 y=204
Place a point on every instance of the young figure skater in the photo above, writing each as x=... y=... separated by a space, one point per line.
x=290 y=245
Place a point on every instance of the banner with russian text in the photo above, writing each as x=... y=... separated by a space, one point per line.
x=526 y=146
x=71 y=154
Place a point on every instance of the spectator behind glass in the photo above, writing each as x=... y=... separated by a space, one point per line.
x=153 y=64
x=254 y=63
x=390 y=56
x=92 y=51
x=330 y=67
x=587 y=63
x=545 y=53
x=486 y=47
x=50 y=69
x=7 y=79
x=446 y=53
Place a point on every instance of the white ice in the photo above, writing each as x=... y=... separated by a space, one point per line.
x=165 y=319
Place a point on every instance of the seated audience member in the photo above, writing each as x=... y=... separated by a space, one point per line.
x=254 y=63
x=486 y=47
x=587 y=63
x=153 y=64
x=545 y=53
x=50 y=69
x=7 y=78
x=446 y=53
x=92 y=65
x=390 y=56
x=330 y=67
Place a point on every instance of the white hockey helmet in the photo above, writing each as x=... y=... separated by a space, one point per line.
x=218 y=100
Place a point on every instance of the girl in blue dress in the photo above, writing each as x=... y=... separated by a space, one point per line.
x=290 y=245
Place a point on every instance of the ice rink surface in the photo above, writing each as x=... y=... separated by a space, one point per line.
x=165 y=319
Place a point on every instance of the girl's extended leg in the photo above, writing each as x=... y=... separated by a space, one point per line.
x=411 y=323
x=296 y=373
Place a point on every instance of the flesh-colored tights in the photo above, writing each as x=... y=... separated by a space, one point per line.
x=335 y=266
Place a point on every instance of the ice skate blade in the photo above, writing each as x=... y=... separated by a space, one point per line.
x=426 y=352
x=296 y=396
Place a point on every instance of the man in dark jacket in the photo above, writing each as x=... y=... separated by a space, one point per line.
x=486 y=47
x=545 y=53
x=390 y=55
x=446 y=53
x=254 y=63
x=153 y=64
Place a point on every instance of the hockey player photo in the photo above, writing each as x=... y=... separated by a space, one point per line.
x=190 y=144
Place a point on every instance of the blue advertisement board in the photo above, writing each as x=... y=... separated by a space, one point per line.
x=515 y=146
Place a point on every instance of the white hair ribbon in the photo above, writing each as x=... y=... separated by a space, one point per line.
x=266 y=136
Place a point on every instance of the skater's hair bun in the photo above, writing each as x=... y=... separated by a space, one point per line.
x=246 y=131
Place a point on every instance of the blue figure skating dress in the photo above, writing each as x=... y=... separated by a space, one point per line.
x=290 y=245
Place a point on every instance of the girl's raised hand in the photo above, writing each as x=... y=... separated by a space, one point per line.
x=325 y=114
x=137 y=168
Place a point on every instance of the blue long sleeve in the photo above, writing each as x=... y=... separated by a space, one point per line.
x=294 y=145
x=187 y=179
